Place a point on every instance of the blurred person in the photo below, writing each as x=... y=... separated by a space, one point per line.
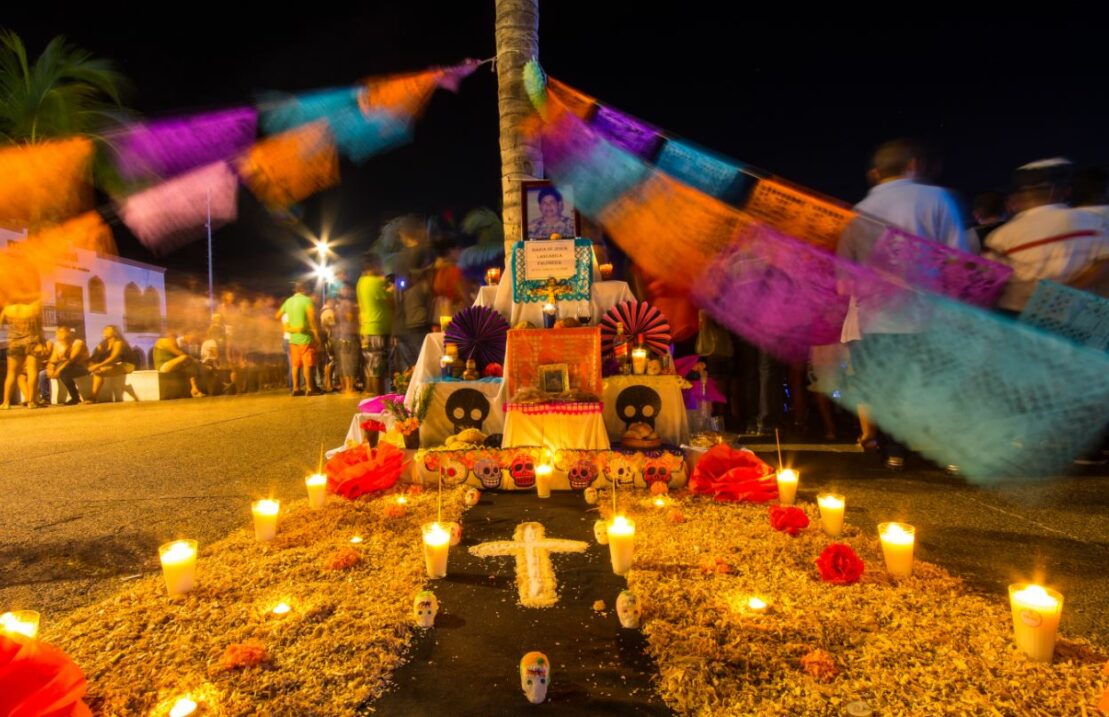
x=169 y=358
x=327 y=326
x=375 y=323
x=1046 y=239
x=552 y=217
x=298 y=315
x=448 y=284
x=990 y=210
x=1091 y=193
x=346 y=339
x=39 y=382
x=896 y=197
x=414 y=297
x=68 y=361
x=109 y=358
x=24 y=322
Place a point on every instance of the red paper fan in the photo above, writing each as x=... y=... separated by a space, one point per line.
x=480 y=333
x=39 y=680
x=639 y=319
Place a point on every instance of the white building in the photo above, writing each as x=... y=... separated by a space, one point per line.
x=88 y=291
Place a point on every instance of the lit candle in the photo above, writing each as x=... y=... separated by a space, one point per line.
x=446 y=365
x=179 y=565
x=757 y=606
x=356 y=539
x=543 y=480
x=1036 y=613
x=444 y=322
x=606 y=271
x=550 y=313
x=660 y=502
x=317 y=490
x=639 y=361
x=265 y=519
x=437 y=543
x=281 y=608
x=621 y=544
x=831 y=513
x=20 y=622
x=787 y=486
x=897 y=547
x=183 y=708
x=492 y=275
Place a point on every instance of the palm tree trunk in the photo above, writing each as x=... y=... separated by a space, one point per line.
x=517 y=33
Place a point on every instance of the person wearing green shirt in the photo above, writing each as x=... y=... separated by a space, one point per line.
x=375 y=323
x=300 y=323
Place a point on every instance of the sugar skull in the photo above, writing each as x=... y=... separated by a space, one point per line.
x=656 y=471
x=488 y=471
x=627 y=609
x=654 y=367
x=472 y=496
x=522 y=470
x=582 y=474
x=600 y=532
x=454 y=471
x=591 y=496
x=456 y=532
x=467 y=408
x=425 y=607
x=621 y=471
x=535 y=676
x=638 y=404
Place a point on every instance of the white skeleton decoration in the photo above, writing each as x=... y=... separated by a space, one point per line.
x=535 y=578
x=456 y=532
x=535 y=676
x=471 y=497
x=591 y=496
x=425 y=607
x=600 y=532
x=628 y=610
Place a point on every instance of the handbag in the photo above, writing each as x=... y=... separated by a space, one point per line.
x=713 y=341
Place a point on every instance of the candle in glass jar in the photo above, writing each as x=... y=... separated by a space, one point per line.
x=606 y=271
x=621 y=544
x=757 y=606
x=437 y=543
x=543 y=480
x=787 y=486
x=20 y=622
x=1036 y=613
x=550 y=314
x=317 y=490
x=639 y=361
x=265 y=519
x=446 y=365
x=897 y=547
x=831 y=513
x=444 y=322
x=183 y=708
x=179 y=565
x=492 y=275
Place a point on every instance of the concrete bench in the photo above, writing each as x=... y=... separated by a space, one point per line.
x=135 y=386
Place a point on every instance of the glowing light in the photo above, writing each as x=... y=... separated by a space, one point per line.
x=356 y=539
x=756 y=605
x=401 y=500
x=182 y=708
x=281 y=608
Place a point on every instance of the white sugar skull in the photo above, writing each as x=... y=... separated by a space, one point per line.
x=488 y=472
x=600 y=532
x=627 y=609
x=454 y=472
x=425 y=607
x=591 y=496
x=654 y=367
x=535 y=676
x=472 y=496
x=456 y=532
x=620 y=471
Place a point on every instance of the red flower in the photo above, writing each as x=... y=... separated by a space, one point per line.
x=733 y=475
x=360 y=470
x=493 y=370
x=39 y=679
x=788 y=519
x=342 y=559
x=243 y=654
x=839 y=565
x=372 y=426
x=820 y=665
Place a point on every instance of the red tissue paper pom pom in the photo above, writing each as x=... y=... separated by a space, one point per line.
x=360 y=470
x=839 y=565
x=788 y=519
x=731 y=474
x=39 y=680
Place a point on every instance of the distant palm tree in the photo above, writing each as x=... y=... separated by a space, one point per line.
x=64 y=92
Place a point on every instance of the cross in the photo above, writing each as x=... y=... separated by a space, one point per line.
x=535 y=577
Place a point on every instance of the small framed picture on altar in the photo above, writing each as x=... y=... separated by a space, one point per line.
x=554 y=378
x=548 y=210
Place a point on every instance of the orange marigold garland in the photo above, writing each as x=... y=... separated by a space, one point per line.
x=820 y=665
x=342 y=559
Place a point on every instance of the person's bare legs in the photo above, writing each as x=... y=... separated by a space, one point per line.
x=15 y=370
x=869 y=438
x=308 y=386
x=824 y=406
x=97 y=384
x=180 y=364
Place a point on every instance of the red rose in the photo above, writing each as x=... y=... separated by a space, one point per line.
x=839 y=565
x=788 y=519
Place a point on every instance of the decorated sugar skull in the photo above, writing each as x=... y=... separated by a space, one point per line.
x=535 y=676
x=425 y=607
x=522 y=470
x=591 y=496
x=621 y=471
x=582 y=474
x=627 y=609
x=600 y=532
x=456 y=532
x=472 y=496
x=654 y=367
x=453 y=470
x=488 y=471
x=656 y=471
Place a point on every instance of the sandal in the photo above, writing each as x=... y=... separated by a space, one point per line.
x=869 y=445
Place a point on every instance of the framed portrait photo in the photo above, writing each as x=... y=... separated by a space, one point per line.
x=554 y=378
x=549 y=210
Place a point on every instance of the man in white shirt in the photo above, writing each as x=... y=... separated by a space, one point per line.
x=1046 y=239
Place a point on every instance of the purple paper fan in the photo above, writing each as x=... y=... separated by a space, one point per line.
x=479 y=333
x=639 y=319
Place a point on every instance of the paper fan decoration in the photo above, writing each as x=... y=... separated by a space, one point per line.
x=479 y=333
x=639 y=318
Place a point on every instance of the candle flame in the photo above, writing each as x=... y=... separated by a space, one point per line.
x=401 y=500
x=756 y=604
x=787 y=476
x=659 y=502
x=267 y=507
x=316 y=479
x=356 y=539
x=621 y=526
x=281 y=608
x=436 y=535
x=11 y=623
x=897 y=533
x=544 y=469
x=830 y=501
x=1036 y=596
x=182 y=708
x=178 y=552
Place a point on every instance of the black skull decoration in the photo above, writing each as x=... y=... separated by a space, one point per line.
x=467 y=408
x=638 y=404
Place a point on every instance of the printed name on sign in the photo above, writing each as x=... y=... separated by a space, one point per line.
x=546 y=259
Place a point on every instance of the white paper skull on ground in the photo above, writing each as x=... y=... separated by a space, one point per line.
x=425 y=607
x=535 y=676
x=600 y=532
x=471 y=497
x=628 y=610
x=591 y=496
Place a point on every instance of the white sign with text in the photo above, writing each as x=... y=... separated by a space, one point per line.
x=544 y=259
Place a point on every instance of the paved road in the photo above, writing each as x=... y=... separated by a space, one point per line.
x=88 y=493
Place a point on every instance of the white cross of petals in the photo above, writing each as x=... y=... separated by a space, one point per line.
x=535 y=577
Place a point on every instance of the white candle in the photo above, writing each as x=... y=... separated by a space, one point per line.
x=1036 y=613
x=660 y=502
x=317 y=490
x=281 y=608
x=265 y=519
x=183 y=708
x=787 y=486
x=621 y=544
x=543 y=480
x=437 y=543
x=20 y=622
x=179 y=565
x=897 y=547
x=639 y=361
x=757 y=606
x=550 y=313
x=831 y=513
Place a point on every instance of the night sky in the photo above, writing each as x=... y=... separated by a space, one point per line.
x=802 y=95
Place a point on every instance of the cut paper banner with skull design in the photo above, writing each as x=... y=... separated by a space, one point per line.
x=454 y=407
x=653 y=400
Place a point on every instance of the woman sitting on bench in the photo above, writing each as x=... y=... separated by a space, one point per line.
x=109 y=359
x=169 y=358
